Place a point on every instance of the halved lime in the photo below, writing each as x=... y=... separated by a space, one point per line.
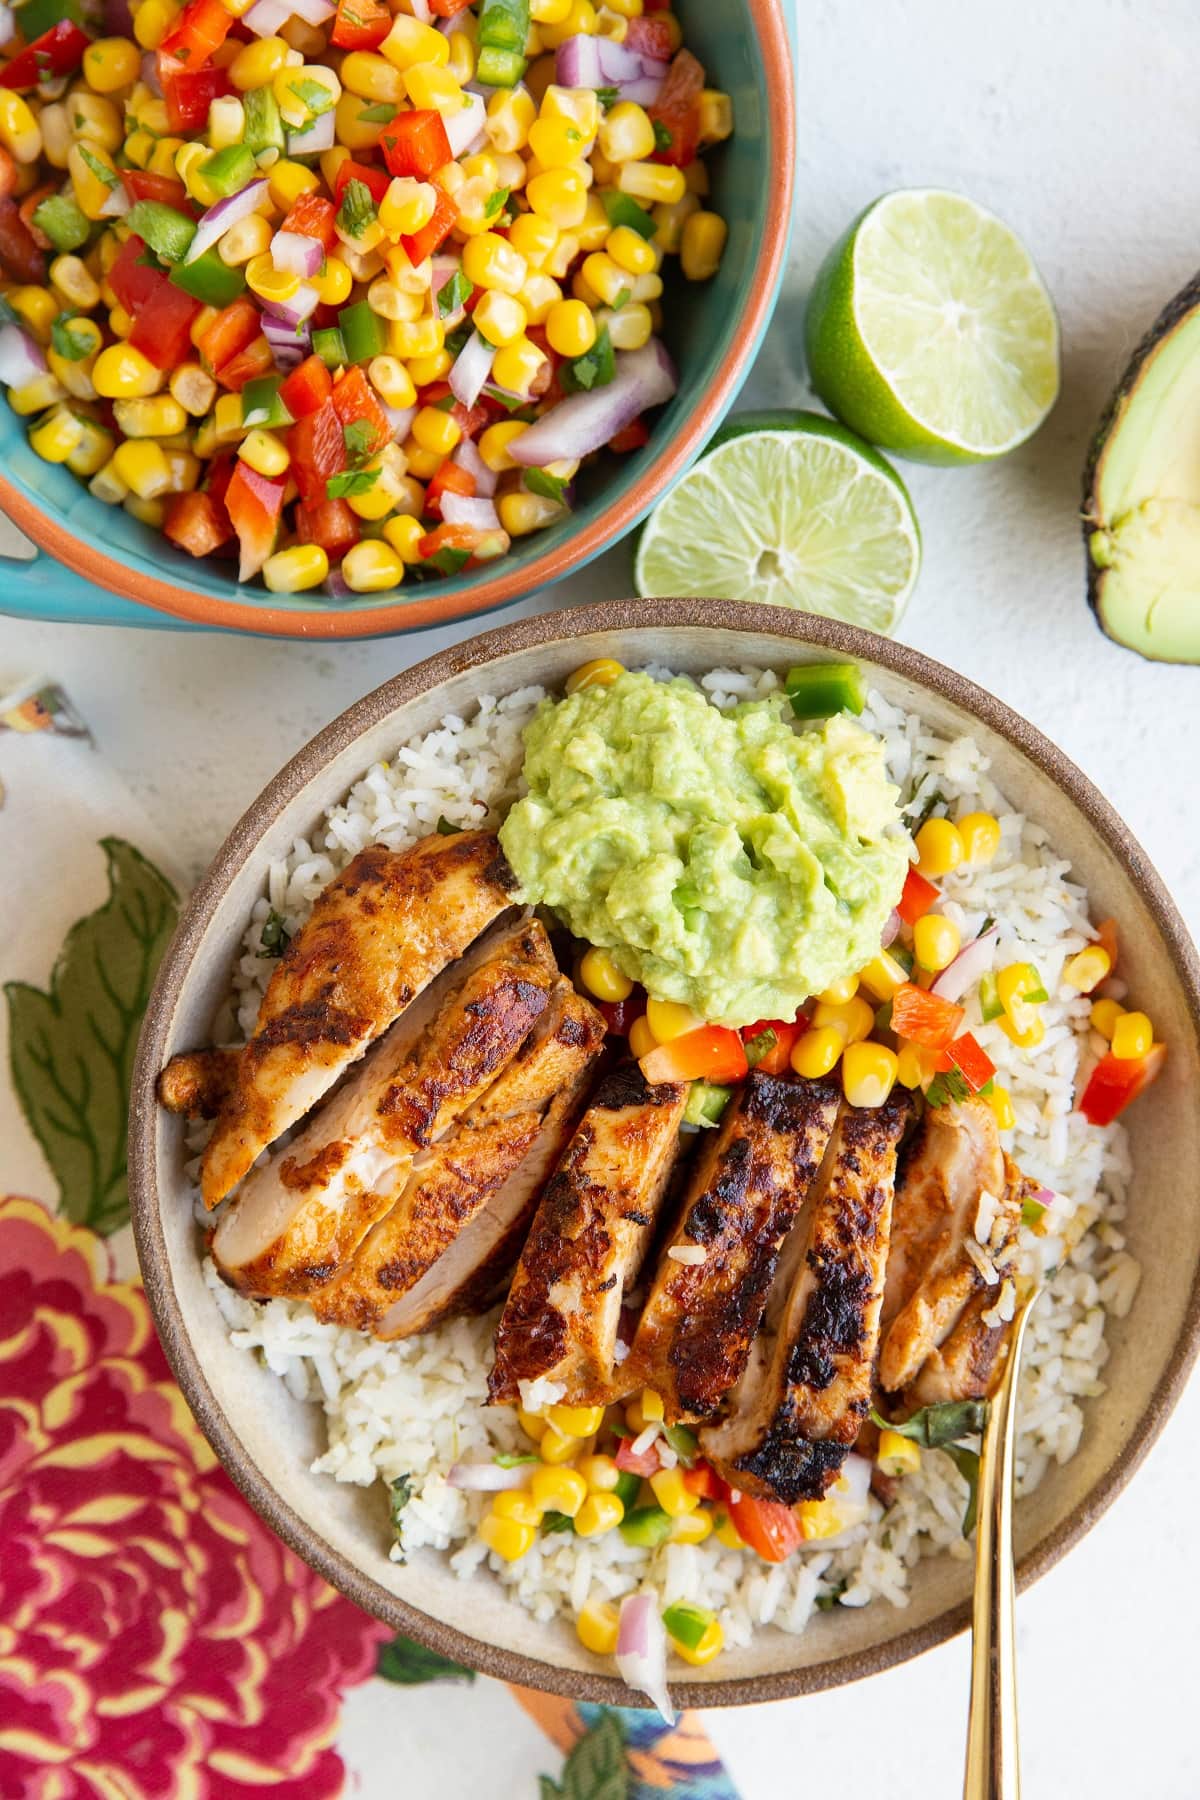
x=930 y=331
x=791 y=509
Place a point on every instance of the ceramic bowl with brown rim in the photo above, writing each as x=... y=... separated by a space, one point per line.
x=713 y=330
x=267 y=1440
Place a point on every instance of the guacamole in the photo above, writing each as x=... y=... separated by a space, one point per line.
x=724 y=859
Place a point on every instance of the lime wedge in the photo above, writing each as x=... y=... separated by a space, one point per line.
x=790 y=509
x=930 y=331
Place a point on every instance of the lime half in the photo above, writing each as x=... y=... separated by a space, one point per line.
x=790 y=509
x=930 y=331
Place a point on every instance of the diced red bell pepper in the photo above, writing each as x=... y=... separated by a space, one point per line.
x=448 y=478
x=644 y=1463
x=619 y=1015
x=650 y=37
x=355 y=403
x=58 y=51
x=448 y=9
x=318 y=450
x=469 y=420
x=422 y=244
x=307 y=388
x=777 y=1059
x=702 y=1480
x=315 y=217
x=144 y=184
x=450 y=537
x=200 y=28
x=675 y=115
x=133 y=280
x=162 y=325
x=235 y=326
x=924 y=1018
x=360 y=25
x=188 y=93
x=329 y=523
x=197 y=522
x=712 y=1053
x=768 y=1526
x=1106 y=937
x=972 y=1062
x=634 y=437
x=1116 y=1080
x=254 y=504
x=376 y=180
x=20 y=256
x=918 y=897
x=220 y=473
x=250 y=364
x=415 y=143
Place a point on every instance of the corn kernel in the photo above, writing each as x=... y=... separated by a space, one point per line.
x=522 y=512
x=144 y=469
x=432 y=88
x=264 y=452
x=691 y=1528
x=671 y=220
x=38 y=307
x=557 y=1446
x=560 y=1490
x=518 y=1504
x=20 y=132
x=602 y=978
x=980 y=833
x=56 y=436
x=709 y=1646
x=702 y=245
x=423 y=463
x=1088 y=968
x=510 y=114
x=436 y=431
x=539 y=296
x=188 y=163
x=1104 y=1016
x=1026 y=1037
x=409 y=42
x=607 y=279
x=36 y=395
x=376 y=503
x=897 y=1454
x=882 y=976
x=598 y=1514
x=110 y=63
x=559 y=195
x=570 y=328
x=716 y=116
x=940 y=848
x=854 y=1019
x=598 y=1624
x=868 y=1073
x=1002 y=1106
x=411 y=338
x=815 y=1052
x=268 y=282
x=506 y=1537
x=839 y=992
x=653 y=1411
x=560 y=259
x=425 y=370
x=500 y=318
x=149 y=418
x=533 y=237
x=600 y=1472
x=1132 y=1036
x=576 y=1421
x=404 y=534
x=670 y=1019
x=725 y=1531
x=152 y=21
x=626 y=133
x=1014 y=984
x=90 y=118
x=556 y=143
x=92 y=451
x=194 y=388
x=494 y=443
x=549 y=12
x=489 y=261
x=672 y=1493
x=228 y=421
x=91 y=190
x=148 y=512
x=630 y=251
x=226 y=122
x=256 y=65
x=936 y=941
x=515 y=367
x=578 y=21
x=292 y=89
x=532 y=1424
x=641 y=1038
x=122 y=373
x=164 y=160
x=292 y=571
x=657 y=182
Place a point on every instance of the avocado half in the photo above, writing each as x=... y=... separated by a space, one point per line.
x=1141 y=493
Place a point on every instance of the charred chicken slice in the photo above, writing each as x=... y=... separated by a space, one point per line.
x=476 y=1184
x=198 y=1082
x=303 y=1214
x=376 y=938
x=588 y=1240
x=806 y=1389
x=957 y=1214
x=697 y=1326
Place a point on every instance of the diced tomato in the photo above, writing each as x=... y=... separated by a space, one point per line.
x=318 y=450
x=649 y=37
x=632 y=438
x=713 y=1053
x=249 y=364
x=449 y=537
x=918 y=897
x=329 y=523
x=619 y=1015
x=924 y=1018
x=28 y=207
x=768 y=1526
x=9 y=179
x=58 y=51
x=235 y=326
x=355 y=403
x=703 y=1480
x=162 y=326
x=360 y=25
x=645 y=1463
x=448 y=9
x=133 y=280
x=1116 y=1080
x=200 y=28
x=431 y=237
x=777 y=1059
x=20 y=256
x=220 y=473
x=315 y=217
x=188 y=93
x=675 y=115
x=144 y=184
x=254 y=504
x=973 y=1063
x=415 y=143
x=376 y=180
x=197 y=522
x=448 y=478
x=307 y=388
x=1106 y=936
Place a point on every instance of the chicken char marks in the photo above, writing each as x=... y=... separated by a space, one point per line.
x=375 y=939
x=695 y=1332
x=806 y=1389
x=588 y=1240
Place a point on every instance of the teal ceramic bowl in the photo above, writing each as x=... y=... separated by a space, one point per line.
x=713 y=331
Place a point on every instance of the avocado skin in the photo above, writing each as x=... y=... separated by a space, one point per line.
x=1172 y=314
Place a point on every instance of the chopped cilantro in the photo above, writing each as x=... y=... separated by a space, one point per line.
x=357 y=208
x=496 y=204
x=381 y=113
x=456 y=292
x=74 y=345
x=100 y=170
x=446 y=829
x=312 y=94
x=273 y=939
x=550 y=487
x=662 y=136
x=353 y=481
x=622 y=298
x=595 y=368
x=448 y=561
x=608 y=96
x=359 y=438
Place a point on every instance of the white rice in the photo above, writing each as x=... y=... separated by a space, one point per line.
x=412 y=1409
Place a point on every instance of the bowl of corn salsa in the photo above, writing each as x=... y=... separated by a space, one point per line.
x=332 y=317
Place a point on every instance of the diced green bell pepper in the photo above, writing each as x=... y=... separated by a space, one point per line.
x=63 y=221
x=818 y=690
x=990 y=1003
x=363 y=332
x=329 y=344
x=706 y=1102
x=687 y=1624
x=622 y=209
x=628 y=1488
x=648 y=1526
x=209 y=279
x=261 y=404
x=228 y=171
x=684 y=1443
x=167 y=231
x=499 y=68
x=264 y=125
x=504 y=24
x=36 y=17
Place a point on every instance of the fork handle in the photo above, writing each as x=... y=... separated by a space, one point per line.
x=993 y=1769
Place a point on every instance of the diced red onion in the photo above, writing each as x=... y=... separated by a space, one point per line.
x=400 y=418
x=596 y=62
x=421 y=10
x=642 y=1651
x=266 y=16
x=471 y=368
x=585 y=422
x=219 y=217
x=290 y=343
x=968 y=968
x=21 y=357
x=297 y=254
x=445 y=268
x=118 y=20
x=319 y=136
x=487 y=1478
x=856 y=1473
x=464 y=126
x=116 y=203
x=150 y=74
x=303 y=303
x=313 y=12
x=644 y=90
x=337 y=587
x=8 y=26
x=460 y=509
x=467 y=457
x=891 y=930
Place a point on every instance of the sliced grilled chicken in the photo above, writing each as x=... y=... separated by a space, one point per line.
x=954 y=1183
x=588 y=1241
x=478 y=1168
x=806 y=1389
x=303 y=1214
x=376 y=938
x=741 y=1199
x=198 y=1082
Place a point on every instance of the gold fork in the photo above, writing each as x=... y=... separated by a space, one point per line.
x=993 y=1751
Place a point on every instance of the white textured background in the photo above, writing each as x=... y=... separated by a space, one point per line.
x=1080 y=124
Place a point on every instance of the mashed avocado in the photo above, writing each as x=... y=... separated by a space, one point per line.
x=724 y=859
